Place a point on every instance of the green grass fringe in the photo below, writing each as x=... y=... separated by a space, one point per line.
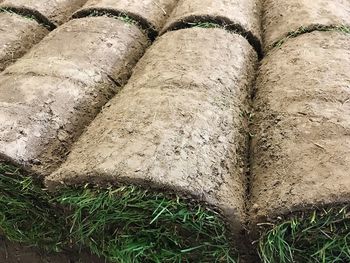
x=322 y=237
x=124 y=224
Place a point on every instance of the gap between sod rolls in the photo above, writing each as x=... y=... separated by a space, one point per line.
x=122 y=224
x=320 y=236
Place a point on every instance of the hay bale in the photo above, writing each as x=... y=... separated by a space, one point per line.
x=18 y=35
x=283 y=17
x=178 y=126
x=51 y=94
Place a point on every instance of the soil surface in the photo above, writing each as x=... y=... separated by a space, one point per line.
x=178 y=124
x=15 y=253
x=246 y=14
x=149 y=13
x=301 y=143
x=52 y=93
x=18 y=35
x=49 y=11
x=282 y=17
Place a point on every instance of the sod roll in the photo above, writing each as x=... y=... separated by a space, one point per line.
x=178 y=126
x=18 y=35
x=300 y=149
x=295 y=16
x=150 y=14
x=49 y=12
x=52 y=93
x=241 y=16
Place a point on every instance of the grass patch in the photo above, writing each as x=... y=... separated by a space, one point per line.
x=122 y=224
x=122 y=16
x=205 y=25
x=303 y=30
x=323 y=236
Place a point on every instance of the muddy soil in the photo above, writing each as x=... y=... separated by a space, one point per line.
x=53 y=92
x=149 y=13
x=18 y=35
x=301 y=143
x=179 y=125
x=15 y=253
x=242 y=15
x=282 y=17
x=50 y=12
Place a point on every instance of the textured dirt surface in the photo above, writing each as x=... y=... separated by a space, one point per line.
x=242 y=14
x=282 y=17
x=150 y=14
x=78 y=67
x=301 y=144
x=177 y=125
x=18 y=35
x=49 y=11
x=15 y=253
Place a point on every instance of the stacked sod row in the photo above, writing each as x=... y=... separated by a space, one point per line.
x=25 y=23
x=300 y=146
x=47 y=98
x=177 y=135
x=138 y=186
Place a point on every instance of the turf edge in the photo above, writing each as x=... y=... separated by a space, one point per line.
x=319 y=236
x=122 y=224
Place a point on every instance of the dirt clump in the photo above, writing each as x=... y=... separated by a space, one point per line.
x=301 y=127
x=283 y=17
x=18 y=35
x=178 y=125
x=53 y=92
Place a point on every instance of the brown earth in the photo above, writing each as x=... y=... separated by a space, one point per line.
x=16 y=253
x=52 y=93
x=282 y=17
x=243 y=16
x=49 y=12
x=150 y=14
x=18 y=35
x=301 y=143
x=178 y=125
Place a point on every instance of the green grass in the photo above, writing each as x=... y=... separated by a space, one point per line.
x=323 y=236
x=122 y=224
x=123 y=16
x=205 y=25
x=304 y=30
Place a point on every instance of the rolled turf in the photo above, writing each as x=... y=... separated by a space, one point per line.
x=300 y=165
x=25 y=23
x=283 y=18
x=242 y=17
x=187 y=216
x=55 y=90
x=18 y=35
x=50 y=13
x=151 y=15
x=178 y=127
x=121 y=224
